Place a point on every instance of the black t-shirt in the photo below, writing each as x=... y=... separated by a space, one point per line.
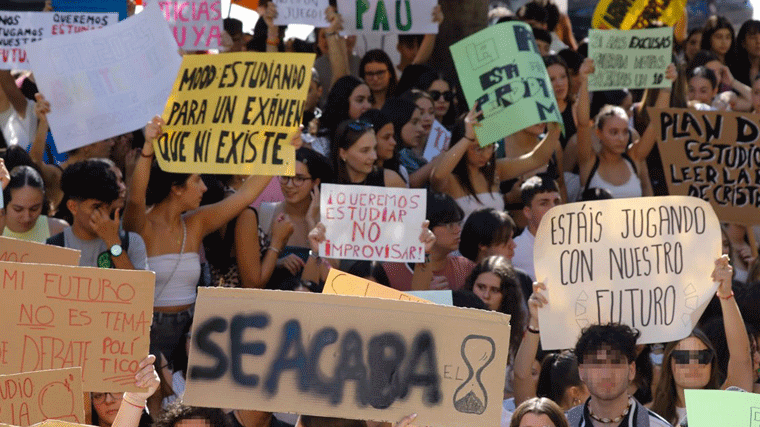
x=274 y=423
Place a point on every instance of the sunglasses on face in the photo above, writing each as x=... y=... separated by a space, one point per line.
x=436 y=95
x=683 y=357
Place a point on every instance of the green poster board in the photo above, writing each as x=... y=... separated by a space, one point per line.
x=711 y=408
x=500 y=69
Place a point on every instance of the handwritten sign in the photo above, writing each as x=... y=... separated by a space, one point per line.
x=196 y=24
x=372 y=223
x=15 y=250
x=388 y=16
x=501 y=69
x=63 y=317
x=345 y=356
x=438 y=141
x=634 y=59
x=626 y=261
x=98 y=85
x=636 y=14
x=32 y=397
x=709 y=408
x=713 y=156
x=235 y=113
x=306 y=12
x=341 y=283
x=97 y=6
x=17 y=29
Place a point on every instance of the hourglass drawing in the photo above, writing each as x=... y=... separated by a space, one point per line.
x=478 y=352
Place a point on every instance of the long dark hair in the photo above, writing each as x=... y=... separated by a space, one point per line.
x=161 y=182
x=24 y=176
x=345 y=137
x=713 y=24
x=558 y=60
x=740 y=67
x=461 y=171
x=379 y=55
x=337 y=104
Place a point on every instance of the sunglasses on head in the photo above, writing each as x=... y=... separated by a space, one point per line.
x=436 y=95
x=683 y=357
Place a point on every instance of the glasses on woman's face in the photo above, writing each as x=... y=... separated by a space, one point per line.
x=374 y=74
x=297 y=180
x=100 y=398
x=448 y=96
x=684 y=357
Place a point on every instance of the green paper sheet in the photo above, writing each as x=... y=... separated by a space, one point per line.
x=712 y=408
x=632 y=59
x=501 y=69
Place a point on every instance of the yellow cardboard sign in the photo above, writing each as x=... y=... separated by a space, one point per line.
x=636 y=14
x=341 y=283
x=15 y=250
x=235 y=114
x=32 y=397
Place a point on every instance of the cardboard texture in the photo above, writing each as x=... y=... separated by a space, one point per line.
x=63 y=317
x=196 y=24
x=235 y=113
x=372 y=223
x=301 y=12
x=710 y=408
x=20 y=28
x=32 y=397
x=501 y=69
x=341 y=283
x=633 y=59
x=636 y=14
x=15 y=250
x=344 y=356
x=627 y=261
x=59 y=423
x=712 y=155
x=388 y=16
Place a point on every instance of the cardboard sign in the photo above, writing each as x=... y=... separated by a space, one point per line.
x=713 y=156
x=17 y=29
x=15 y=250
x=97 y=6
x=438 y=141
x=372 y=223
x=196 y=24
x=634 y=59
x=388 y=16
x=63 y=316
x=636 y=14
x=98 y=85
x=501 y=69
x=306 y=12
x=709 y=408
x=32 y=397
x=627 y=261
x=344 y=356
x=341 y=283
x=235 y=113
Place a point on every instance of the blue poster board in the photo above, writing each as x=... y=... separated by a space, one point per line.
x=92 y=6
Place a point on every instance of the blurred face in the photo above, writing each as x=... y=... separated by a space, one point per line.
x=23 y=209
x=412 y=132
x=107 y=406
x=690 y=362
x=360 y=158
x=693 y=45
x=614 y=134
x=607 y=374
x=296 y=189
x=701 y=89
x=756 y=95
x=716 y=68
x=541 y=204
x=721 y=41
x=752 y=44
x=447 y=235
x=358 y=102
x=507 y=249
x=377 y=76
x=386 y=142
x=192 y=191
x=428 y=114
x=558 y=77
x=488 y=288
x=478 y=156
x=441 y=90
x=535 y=420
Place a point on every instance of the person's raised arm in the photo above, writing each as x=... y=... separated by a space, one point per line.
x=640 y=150
x=584 y=148
x=135 y=209
x=256 y=271
x=50 y=174
x=441 y=177
x=337 y=51
x=423 y=271
x=509 y=168
x=133 y=403
x=524 y=384
x=428 y=40
x=739 y=372
x=13 y=93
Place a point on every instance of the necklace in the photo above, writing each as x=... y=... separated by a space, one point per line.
x=609 y=420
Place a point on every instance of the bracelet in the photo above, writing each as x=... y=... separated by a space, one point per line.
x=468 y=138
x=312 y=254
x=273 y=42
x=272 y=248
x=147 y=156
x=128 y=398
x=532 y=330
x=728 y=297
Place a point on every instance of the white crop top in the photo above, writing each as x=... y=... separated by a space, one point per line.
x=181 y=286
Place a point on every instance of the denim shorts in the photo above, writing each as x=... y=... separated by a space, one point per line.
x=168 y=331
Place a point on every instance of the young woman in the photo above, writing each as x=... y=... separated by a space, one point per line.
x=559 y=74
x=691 y=363
x=173 y=230
x=692 y=45
x=385 y=132
x=718 y=37
x=616 y=165
x=538 y=412
x=24 y=197
x=747 y=59
x=377 y=70
x=119 y=409
x=407 y=120
x=354 y=155
x=348 y=99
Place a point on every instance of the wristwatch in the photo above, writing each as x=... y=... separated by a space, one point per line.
x=115 y=250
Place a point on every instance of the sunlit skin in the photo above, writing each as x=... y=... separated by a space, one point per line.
x=540 y=204
x=614 y=135
x=701 y=90
x=358 y=102
x=487 y=287
x=560 y=83
x=478 y=156
x=428 y=114
x=693 y=375
x=360 y=157
x=23 y=209
x=441 y=105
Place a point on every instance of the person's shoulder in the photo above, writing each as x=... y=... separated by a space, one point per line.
x=655 y=420
x=135 y=240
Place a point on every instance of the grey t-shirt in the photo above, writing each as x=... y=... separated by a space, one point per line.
x=92 y=248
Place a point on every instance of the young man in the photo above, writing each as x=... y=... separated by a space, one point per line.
x=89 y=189
x=538 y=194
x=606 y=363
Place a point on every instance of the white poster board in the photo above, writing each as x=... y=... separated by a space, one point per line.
x=306 y=12
x=645 y=262
x=388 y=16
x=106 y=83
x=18 y=29
x=196 y=24
x=372 y=223
x=438 y=141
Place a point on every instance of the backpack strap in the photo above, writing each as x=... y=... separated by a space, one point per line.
x=590 y=175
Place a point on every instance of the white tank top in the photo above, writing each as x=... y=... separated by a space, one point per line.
x=632 y=188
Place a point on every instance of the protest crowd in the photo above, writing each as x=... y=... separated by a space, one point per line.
x=368 y=122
